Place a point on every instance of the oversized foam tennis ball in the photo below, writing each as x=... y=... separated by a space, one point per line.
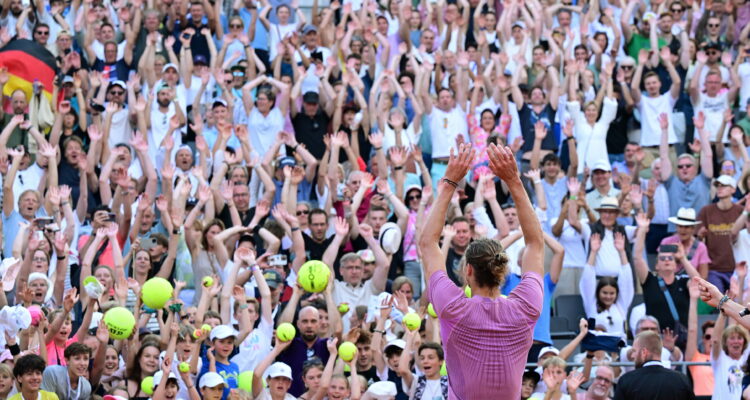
x=412 y=321
x=344 y=308
x=184 y=367
x=120 y=322
x=443 y=370
x=245 y=381
x=347 y=350
x=206 y=328
x=156 y=292
x=147 y=385
x=467 y=291
x=313 y=276
x=431 y=311
x=207 y=281
x=285 y=332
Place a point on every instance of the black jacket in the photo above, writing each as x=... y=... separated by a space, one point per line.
x=654 y=382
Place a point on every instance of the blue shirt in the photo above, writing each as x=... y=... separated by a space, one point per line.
x=541 y=329
x=230 y=372
x=11 y=227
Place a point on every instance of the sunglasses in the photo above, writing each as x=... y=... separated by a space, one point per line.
x=235 y=26
x=415 y=197
x=666 y=258
x=42 y=32
x=713 y=25
x=117 y=92
x=712 y=53
x=683 y=166
x=677 y=10
x=303 y=212
x=718 y=185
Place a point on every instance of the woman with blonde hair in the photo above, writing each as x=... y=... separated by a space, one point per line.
x=729 y=351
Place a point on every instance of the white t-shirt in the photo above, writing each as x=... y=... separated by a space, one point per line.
x=607 y=258
x=444 y=127
x=255 y=347
x=713 y=108
x=728 y=376
x=276 y=33
x=650 y=108
x=744 y=73
x=27 y=179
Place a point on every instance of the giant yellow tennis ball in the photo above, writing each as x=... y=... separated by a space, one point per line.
x=313 y=276
x=184 y=367
x=147 y=385
x=120 y=323
x=347 y=350
x=431 y=311
x=285 y=332
x=467 y=291
x=443 y=370
x=156 y=292
x=412 y=321
x=245 y=381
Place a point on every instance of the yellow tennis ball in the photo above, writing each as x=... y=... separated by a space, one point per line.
x=206 y=328
x=147 y=385
x=285 y=332
x=313 y=276
x=347 y=350
x=412 y=321
x=344 y=308
x=443 y=370
x=156 y=292
x=184 y=367
x=431 y=311
x=197 y=333
x=245 y=381
x=207 y=281
x=120 y=323
x=467 y=291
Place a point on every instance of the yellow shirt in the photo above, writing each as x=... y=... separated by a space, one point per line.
x=43 y=395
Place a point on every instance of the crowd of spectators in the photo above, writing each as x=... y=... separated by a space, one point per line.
x=237 y=140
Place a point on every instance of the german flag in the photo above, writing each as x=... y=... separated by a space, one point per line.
x=28 y=61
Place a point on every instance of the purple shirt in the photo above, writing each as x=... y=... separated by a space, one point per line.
x=486 y=341
x=296 y=355
x=700 y=256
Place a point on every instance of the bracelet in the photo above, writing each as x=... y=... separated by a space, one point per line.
x=254 y=267
x=450 y=182
x=570 y=138
x=186 y=48
x=589 y=356
x=537 y=181
x=176 y=231
x=296 y=228
x=378 y=148
x=247 y=45
x=379 y=331
x=295 y=147
x=64 y=203
x=573 y=197
x=722 y=302
x=399 y=168
x=191 y=387
x=64 y=256
x=745 y=312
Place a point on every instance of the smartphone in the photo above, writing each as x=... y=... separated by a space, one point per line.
x=668 y=248
x=43 y=221
x=96 y=107
x=148 y=243
x=67 y=51
x=111 y=217
x=186 y=36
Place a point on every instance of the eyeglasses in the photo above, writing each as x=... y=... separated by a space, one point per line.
x=39 y=259
x=712 y=53
x=666 y=258
x=713 y=25
x=303 y=212
x=42 y=32
x=235 y=26
x=626 y=66
x=415 y=197
x=677 y=10
x=719 y=185
x=648 y=329
x=683 y=166
x=707 y=336
x=117 y=92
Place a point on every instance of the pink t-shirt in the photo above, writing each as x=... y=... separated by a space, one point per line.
x=700 y=256
x=486 y=341
x=55 y=353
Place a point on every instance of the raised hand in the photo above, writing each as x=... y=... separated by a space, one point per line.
x=664 y=121
x=503 y=163
x=341 y=226
x=460 y=162
x=619 y=241
x=366 y=231
x=669 y=337
x=642 y=221
x=595 y=243
x=709 y=293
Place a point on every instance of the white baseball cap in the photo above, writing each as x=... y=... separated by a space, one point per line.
x=160 y=374
x=211 y=379
x=278 y=369
x=222 y=332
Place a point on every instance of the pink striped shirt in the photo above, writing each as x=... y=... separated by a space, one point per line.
x=486 y=341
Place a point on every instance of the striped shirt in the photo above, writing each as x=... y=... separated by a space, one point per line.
x=486 y=341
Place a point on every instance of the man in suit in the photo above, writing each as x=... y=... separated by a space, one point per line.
x=651 y=380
